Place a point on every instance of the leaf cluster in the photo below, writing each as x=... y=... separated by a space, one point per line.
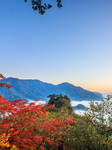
x=38 y=5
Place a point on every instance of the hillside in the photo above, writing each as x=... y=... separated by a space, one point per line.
x=36 y=89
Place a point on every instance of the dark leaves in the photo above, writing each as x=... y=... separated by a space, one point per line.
x=37 y=5
x=59 y=3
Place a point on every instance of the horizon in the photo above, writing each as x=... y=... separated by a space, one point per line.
x=71 y=44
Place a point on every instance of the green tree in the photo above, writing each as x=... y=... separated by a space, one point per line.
x=93 y=131
x=38 y=5
x=101 y=116
x=60 y=101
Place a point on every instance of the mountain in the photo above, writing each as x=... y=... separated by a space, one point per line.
x=98 y=94
x=36 y=89
x=79 y=107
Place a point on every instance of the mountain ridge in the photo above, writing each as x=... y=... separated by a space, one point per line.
x=36 y=89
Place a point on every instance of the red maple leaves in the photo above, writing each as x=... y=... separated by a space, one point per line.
x=27 y=125
x=1 y=76
x=6 y=84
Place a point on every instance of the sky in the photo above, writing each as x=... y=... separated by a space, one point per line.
x=72 y=44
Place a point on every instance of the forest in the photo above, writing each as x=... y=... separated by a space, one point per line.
x=55 y=126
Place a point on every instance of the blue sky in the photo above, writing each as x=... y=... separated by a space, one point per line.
x=72 y=44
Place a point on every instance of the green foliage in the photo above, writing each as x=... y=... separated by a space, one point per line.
x=100 y=114
x=60 y=101
x=83 y=135
x=94 y=130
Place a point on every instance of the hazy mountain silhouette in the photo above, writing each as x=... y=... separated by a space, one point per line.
x=79 y=107
x=36 y=89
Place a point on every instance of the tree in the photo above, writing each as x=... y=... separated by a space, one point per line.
x=101 y=116
x=60 y=101
x=27 y=126
x=37 y=5
x=4 y=84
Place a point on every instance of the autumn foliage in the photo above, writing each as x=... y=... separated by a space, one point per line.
x=27 y=126
x=4 y=84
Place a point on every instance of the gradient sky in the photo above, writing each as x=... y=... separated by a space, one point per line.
x=72 y=44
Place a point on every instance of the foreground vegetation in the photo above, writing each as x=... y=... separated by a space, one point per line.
x=55 y=126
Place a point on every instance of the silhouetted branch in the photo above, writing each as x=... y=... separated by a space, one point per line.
x=37 y=5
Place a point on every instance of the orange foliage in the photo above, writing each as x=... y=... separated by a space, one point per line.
x=4 y=143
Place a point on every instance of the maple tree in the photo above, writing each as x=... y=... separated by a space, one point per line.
x=4 y=84
x=27 y=126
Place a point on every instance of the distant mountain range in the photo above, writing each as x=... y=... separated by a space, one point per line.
x=36 y=89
